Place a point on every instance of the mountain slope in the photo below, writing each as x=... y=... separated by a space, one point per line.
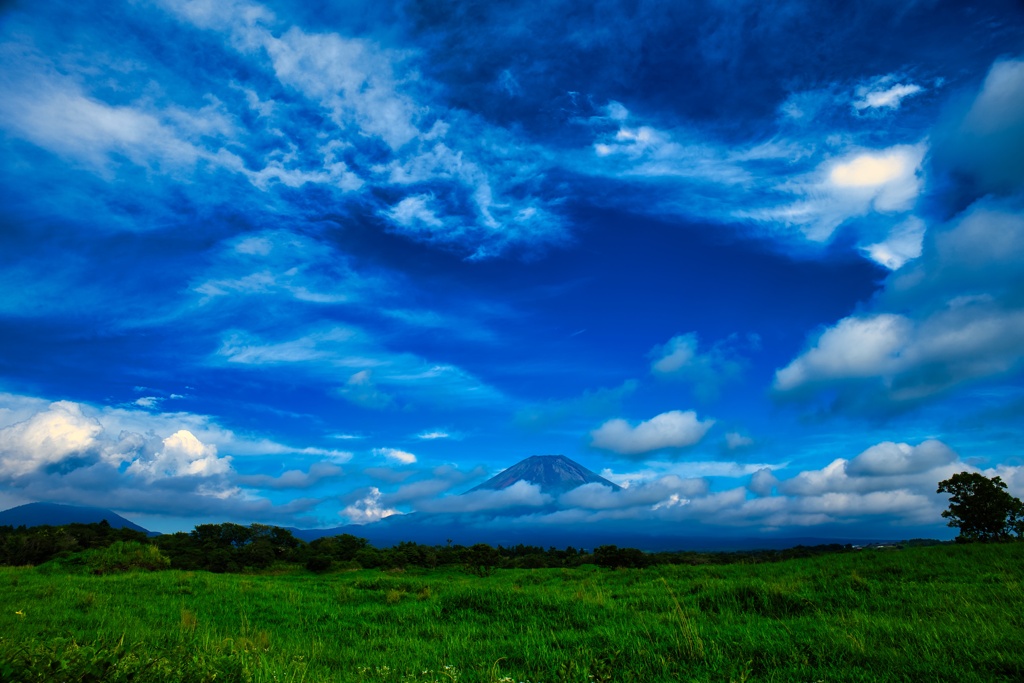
x=53 y=514
x=552 y=473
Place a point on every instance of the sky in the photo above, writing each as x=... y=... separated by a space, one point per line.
x=322 y=263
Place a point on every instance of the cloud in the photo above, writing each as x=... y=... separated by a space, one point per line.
x=650 y=493
x=360 y=389
x=48 y=437
x=360 y=369
x=395 y=455
x=950 y=316
x=674 y=429
x=282 y=263
x=367 y=509
x=450 y=178
x=735 y=441
x=879 y=94
x=292 y=479
x=763 y=482
x=902 y=244
x=883 y=467
x=519 y=495
x=890 y=458
x=434 y=434
x=679 y=358
x=862 y=181
x=139 y=461
x=182 y=455
x=985 y=144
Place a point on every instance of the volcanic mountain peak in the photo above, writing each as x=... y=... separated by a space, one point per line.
x=55 y=514
x=552 y=473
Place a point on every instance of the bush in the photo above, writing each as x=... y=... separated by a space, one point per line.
x=124 y=556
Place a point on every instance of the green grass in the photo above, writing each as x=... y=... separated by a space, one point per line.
x=946 y=613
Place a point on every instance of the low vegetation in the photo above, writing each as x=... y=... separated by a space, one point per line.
x=945 y=612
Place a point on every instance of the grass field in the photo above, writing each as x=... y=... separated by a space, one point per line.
x=943 y=613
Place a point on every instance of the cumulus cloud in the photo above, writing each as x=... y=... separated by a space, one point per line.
x=890 y=458
x=367 y=508
x=763 y=482
x=674 y=429
x=182 y=454
x=950 y=316
x=138 y=461
x=48 y=437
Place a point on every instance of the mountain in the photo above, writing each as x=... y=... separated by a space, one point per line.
x=53 y=514
x=552 y=473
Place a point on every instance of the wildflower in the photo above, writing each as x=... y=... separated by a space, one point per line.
x=20 y=614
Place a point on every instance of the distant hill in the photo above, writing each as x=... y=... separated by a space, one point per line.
x=54 y=514
x=552 y=473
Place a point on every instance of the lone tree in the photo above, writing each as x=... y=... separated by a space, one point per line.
x=981 y=508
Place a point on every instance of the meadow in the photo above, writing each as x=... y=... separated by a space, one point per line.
x=940 y=613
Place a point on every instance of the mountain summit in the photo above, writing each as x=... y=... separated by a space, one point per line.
x=552 y=473
x=54 y=514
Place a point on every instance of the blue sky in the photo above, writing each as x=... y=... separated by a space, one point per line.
x=321 y=263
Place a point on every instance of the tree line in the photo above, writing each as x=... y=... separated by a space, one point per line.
x=234 y=548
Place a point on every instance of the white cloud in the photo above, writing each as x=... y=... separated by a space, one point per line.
x=674 y=429
x=395 y=455
x=879 y=94
x=182 y=455
x=482 y=175
x=50 y=436
x=857 y=347
x=888 y=458
x=901 y=245
x=368 y=509
x=415 y=213
x=433 y=434
x=885 y=181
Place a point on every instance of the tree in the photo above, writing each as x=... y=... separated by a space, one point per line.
x=981 y=508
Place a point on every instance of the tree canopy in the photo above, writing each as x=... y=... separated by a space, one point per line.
x=982 y=508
